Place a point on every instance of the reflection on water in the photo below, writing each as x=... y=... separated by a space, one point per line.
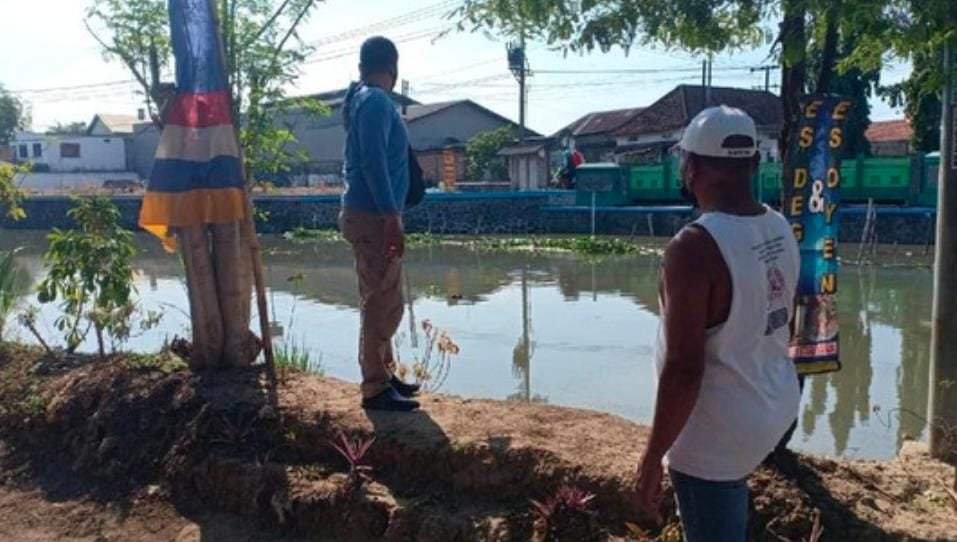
x=556 y=328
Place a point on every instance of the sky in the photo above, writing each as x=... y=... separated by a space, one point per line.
x=50 y=61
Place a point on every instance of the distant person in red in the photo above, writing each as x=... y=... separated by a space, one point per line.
x=571 y=159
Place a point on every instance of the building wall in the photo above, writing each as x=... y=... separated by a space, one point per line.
x=142 y=149
x=433 y=165
x=528 y=171
x=454 y=125
x=890 y=148
x=96 y=153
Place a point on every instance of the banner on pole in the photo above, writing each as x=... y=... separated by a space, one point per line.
x=811 y=202
x=197 y=177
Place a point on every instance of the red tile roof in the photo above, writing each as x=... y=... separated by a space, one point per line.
x=676 y=109
x=889 y=130
x=600 y=122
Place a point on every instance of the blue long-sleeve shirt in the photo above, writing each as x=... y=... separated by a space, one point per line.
x=376 y=154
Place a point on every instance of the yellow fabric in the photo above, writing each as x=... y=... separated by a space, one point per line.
x=162 y=211
x=818 y=367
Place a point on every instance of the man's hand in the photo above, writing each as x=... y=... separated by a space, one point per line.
x=648 y=486
x=394 y=237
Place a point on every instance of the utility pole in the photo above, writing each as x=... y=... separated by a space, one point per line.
x=767 y=75
x=518 y=65
x=704 y=84
x=943 y=362
x=708 y=88
x=406 y=87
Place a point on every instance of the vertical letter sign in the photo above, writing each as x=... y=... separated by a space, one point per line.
x=812 y=194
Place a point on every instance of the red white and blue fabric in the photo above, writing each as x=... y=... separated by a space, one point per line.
x=197 y=176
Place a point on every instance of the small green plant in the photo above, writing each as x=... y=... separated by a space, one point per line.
x=308 y=235
x=10 y=287
x=11 y=197
x=354 y=452
x=89 y=272
x=296 y=357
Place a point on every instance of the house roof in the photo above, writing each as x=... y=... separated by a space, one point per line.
x=889 y=130
x=600 y=122
x=334 y=98
x=675 y=109
x=420 y=111
x=117 y=124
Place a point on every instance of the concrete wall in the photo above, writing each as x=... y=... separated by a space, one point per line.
x=97 y=154
x=499 y=213
x=41 y=182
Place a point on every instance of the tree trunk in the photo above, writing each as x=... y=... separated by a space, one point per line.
x=829 y=53
x=793 y=71
x=205 y=316
x=234 y=282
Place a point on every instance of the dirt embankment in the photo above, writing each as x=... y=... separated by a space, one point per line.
x=133 y=450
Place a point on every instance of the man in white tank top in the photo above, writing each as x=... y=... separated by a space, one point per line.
x=727 y=390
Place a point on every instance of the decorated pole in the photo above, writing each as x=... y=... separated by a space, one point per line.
x=811 y=198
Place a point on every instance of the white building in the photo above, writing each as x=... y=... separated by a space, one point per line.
x=70 y=153
x=69 y=162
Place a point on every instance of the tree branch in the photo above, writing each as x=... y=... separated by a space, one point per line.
x=292 y=29
x=130 y=63
x=267 y=24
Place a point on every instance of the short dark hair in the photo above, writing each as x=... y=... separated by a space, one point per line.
x=376 y=55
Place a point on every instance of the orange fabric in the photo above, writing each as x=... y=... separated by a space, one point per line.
x=164 y=210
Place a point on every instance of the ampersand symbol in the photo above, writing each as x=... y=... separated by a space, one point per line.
x=816 y=203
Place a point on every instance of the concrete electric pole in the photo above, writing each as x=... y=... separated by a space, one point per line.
x=943 y=363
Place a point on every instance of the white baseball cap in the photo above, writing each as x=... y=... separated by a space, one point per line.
x=711 y=132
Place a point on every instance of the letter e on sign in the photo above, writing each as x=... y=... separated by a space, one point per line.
x=811 y=110
x=797 y=205
x=840 y=110
x=829 y=248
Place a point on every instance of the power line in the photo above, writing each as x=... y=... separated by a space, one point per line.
x=72 y=87
x=404 y=19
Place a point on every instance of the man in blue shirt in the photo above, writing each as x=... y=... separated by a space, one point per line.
x=377 y=181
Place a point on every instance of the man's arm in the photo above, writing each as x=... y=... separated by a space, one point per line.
x=685 y=290
x=374 y=126
x=686 y=286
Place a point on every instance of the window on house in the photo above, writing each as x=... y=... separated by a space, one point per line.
x=37 y=150
x=69 y=150
x=23 y=152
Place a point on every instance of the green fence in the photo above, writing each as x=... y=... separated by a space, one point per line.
x=908 y=180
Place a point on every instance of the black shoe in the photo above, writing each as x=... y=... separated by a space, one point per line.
x=404 y=389
x=390 y=400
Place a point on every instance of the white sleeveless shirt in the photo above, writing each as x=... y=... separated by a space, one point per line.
x=749 y=393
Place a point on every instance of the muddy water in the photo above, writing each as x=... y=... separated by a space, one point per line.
x=560 y=329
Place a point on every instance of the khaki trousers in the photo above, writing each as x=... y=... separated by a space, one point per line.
x=380 y=292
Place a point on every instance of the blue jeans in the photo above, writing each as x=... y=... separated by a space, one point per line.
x=711 y=511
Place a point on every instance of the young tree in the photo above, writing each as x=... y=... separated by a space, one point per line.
x=483 y=161
x=14 y=115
